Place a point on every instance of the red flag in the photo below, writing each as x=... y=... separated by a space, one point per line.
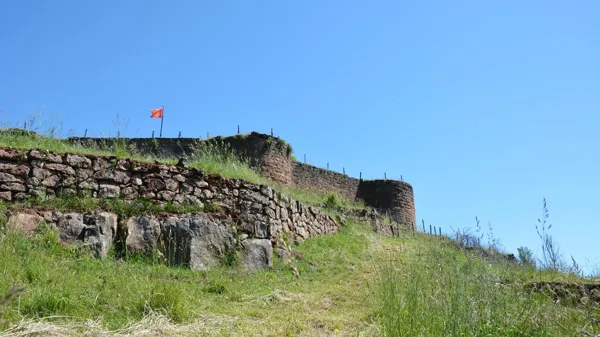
x=157 y=113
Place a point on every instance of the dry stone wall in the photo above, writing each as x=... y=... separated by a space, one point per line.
x=259 y=212
x=271 y=156
x=199 y=241
x=315 y=178
x=395 y=196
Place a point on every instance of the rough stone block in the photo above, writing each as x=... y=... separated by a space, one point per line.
x=62 y=168
x=155 y=184
x=11 y=154
x=113 y=175
x=109 y=191
x=7 y=178
x=143 y=235
x=45 y=156
x=166 y=195
x=24 y=223
x=17 y=187
x=16 y=170
x=78 y=161
x=130 y=193
x=258 y=254
x=199 y=241
x=171 y=185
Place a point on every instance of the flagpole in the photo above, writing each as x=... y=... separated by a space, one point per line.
x=162 y=118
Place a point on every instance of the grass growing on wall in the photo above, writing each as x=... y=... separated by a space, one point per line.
x=217 y=158
x=220 y=158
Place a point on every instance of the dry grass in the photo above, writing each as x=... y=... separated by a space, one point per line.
x=153 y=324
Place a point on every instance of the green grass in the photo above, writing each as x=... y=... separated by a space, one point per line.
x=355 y=282
x=68 y=283
x=351 y=283
x=437 y=290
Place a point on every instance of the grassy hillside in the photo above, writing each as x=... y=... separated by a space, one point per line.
x=355 y=283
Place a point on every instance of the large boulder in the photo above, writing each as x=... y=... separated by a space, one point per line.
x=258 y=254
x=143 y=235
x=91 y=230
x=24 y=222
x=198 y=241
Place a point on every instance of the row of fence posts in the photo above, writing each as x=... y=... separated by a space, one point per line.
x=433 y=230
x=238 y=132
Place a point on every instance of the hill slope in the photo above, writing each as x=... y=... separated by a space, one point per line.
x=352 y=283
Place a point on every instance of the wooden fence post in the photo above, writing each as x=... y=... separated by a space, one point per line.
x=179 y=134
x=304 y=158
x=152 y=134
x=271 y=132
x=85 y=134
x=429 y=229
x=238 y=129
x=423 y=220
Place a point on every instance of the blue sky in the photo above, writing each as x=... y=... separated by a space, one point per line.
x=484 y=107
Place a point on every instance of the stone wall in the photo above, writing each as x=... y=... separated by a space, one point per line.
x=159 y=147
x=199 y=241
x=395 y=196
x=258 y=211
x=272 y=157
x=268 y=154
x=315 y=178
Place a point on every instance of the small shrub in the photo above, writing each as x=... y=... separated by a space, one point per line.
x=332 y=201
x=526 y=257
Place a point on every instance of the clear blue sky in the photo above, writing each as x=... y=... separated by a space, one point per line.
x=484 y=107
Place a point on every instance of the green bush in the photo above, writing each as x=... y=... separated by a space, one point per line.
x=526 y=257
x=332 y=201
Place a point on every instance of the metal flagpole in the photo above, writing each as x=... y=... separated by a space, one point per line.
x=162 y=118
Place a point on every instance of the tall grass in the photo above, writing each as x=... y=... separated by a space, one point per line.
x=65 y=284
x=220 y=158
x=440 y=291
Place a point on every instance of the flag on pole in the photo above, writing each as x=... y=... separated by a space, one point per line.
x=157 y=113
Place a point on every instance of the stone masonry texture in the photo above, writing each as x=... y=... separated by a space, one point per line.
x=257 y=210
x=272 y=157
